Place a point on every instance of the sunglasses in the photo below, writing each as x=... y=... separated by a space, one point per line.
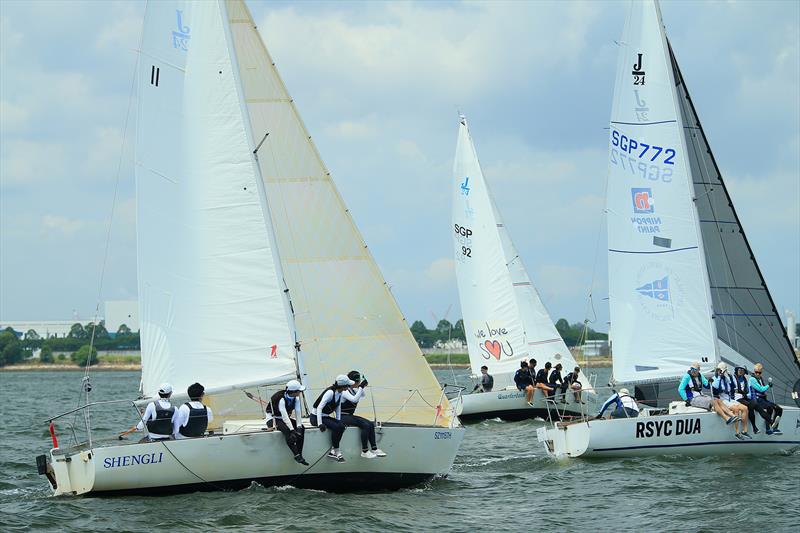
x=756 y=372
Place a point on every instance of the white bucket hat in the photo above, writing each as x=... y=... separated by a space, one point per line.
x=295 y=385
x=722 y=366
x=165 y=388
x=625 y=392
x=342 y=380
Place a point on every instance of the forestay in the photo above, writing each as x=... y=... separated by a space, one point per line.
x=345 y=315
x=504 y=318
x=211 y=304
x=658 y=288
x=749 y=328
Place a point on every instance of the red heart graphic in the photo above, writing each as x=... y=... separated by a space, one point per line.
x=493 y=347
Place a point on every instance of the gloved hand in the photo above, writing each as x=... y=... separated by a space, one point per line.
x=322 y=428
x=688 y=403
x=363 y=384
x=770 y=385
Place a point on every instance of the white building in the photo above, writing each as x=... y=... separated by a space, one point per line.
x=118 y=312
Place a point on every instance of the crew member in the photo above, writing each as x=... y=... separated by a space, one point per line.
x=625 y=405
x=555 y=381
x=523 y=381
x=543 y=381
x=573 y=378
x=193 y=417
x=282 y=403
x=158 y=417
x=350 y=399
x=758 y=392
x=536 y=383
x=743 y=397
x=327 y=414
x=724 y=388
x=691 y=390
x=487 y=381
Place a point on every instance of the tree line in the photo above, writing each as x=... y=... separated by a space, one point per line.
x=14 y=349
x=446 y=331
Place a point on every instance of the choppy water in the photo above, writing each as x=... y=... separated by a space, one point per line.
x=501 y=480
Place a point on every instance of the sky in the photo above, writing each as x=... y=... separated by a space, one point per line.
x=379 y=86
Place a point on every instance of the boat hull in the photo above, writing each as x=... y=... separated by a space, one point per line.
x=511 y=405
x=234 y=461
x=690 y=432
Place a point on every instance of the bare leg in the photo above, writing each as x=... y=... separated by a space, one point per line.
x=529 y=394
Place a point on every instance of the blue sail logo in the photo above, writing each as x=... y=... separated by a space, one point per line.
x=656 y=289
x=465 y=186
x=180 y=38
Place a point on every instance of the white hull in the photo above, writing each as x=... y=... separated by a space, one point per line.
x=235 y=460
x=688 y=431
x=510 y=404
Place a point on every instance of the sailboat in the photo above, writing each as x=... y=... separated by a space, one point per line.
x=505 y=320
x=251 y=272
x=684 y=284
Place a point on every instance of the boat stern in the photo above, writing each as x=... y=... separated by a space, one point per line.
x=69 y=472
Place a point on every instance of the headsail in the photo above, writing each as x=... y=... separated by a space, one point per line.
x=504 y=318
x=658 y=289
x=211 y=304
x=749 y=328
x=345 y=315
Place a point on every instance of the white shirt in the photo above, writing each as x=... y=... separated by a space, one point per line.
x=181 y=418
x=285 y=414
x=353 y=397
x=326 y=398
x=150 y=414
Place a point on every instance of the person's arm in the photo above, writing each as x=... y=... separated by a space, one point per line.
x=716 y=388
x=754 y=384
x=181 y=415
x=298 y=414
x=682 y=387
x=284 y=413
x=210 y=414
x=322 y=402
x=338 y=408
x=149 y=412
x=613 y=399
x=706 y=384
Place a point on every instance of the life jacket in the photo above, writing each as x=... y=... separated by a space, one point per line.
x=274 y=402
x=348 y=407
x=695 y=384
x=162 y=424
x=198 y=422
x=625 y=401
x=727 y=387
x=329 y=407
x=742 y=388
x=755 y=394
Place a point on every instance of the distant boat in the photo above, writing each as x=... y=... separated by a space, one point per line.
x=505 y=321
x=252 y=272
x=684 y=284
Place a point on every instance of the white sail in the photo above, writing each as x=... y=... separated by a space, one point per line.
x=345 y=315
x=661 y=312
x=504 y=318
x=211 y=302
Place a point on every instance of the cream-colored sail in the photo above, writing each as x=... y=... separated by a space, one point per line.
x=345 y=315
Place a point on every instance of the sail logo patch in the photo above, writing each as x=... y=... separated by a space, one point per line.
x=638 y=70
x=642 y=200
x=465 y=186
x=658 y=289
x=180 y=38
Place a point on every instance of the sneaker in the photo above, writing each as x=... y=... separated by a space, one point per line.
x=332 y=455
x=379 y=453
x=730 y=421
x=755 y=430
x=776 y=431
x=529 y=403
x=368 y=455
x=769 y=432
x=739 y=436
x=746 y=435
x=339 y=457
x=300 y=459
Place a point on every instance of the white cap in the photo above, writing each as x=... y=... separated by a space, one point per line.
x=625 y=392
x=165 y=388
x=295 y=385
x=342 y=380
x=722 y=367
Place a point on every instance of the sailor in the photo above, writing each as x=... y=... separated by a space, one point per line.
x=536 y=383
x=283 y=403
x=523 y=381
x=625 y=406
x=724 y=388
x=193 y=417
x=574 y=384
x=327 y=414
x=555 y=381
x=543 y=381
x=487 y=381
x=758 y=393
x=350 y=399
x=742 y=396
x=691 y=390
x=158 y=416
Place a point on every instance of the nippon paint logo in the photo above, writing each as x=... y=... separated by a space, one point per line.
x=643 y=201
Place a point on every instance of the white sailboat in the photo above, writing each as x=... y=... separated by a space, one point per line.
x=684 y=285
x=252 y=272
x=505 y=321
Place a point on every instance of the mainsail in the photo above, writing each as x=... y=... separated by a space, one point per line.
x=661 y=317
x=504 y=318
x=345 y=315
x=749 y=328
x=211 y=300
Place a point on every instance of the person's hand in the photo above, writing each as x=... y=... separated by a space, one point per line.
x=322 y=428
x=364 y=384
x=688 y=403
x=770 y=385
